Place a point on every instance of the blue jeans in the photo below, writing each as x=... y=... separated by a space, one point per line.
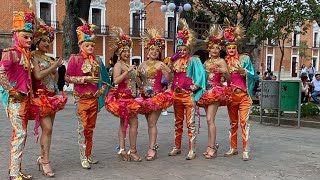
x=314 y=96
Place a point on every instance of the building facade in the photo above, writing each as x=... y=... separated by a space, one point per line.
x=134 y=16
x=299 y=49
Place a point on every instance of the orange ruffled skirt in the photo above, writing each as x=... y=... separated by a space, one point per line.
x=221 y=94
x=121 y=103
x=158 y=102
x=46 y=104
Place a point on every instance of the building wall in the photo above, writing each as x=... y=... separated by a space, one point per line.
x=290 y=68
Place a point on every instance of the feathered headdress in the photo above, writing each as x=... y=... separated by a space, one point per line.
x=23 y=21
x=86 y=32
x=233 y=34
x=152 y=38
x=119 y=39
x=185 y=35
x=42 y=30
x=214 y=36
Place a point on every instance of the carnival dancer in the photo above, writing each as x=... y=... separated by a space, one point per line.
x=241 y=83
x=153 y=97
x=216 y=93
x=46 y=101
x=15 y=79
x=120 y=101
x=84 y=71
x=189 y=83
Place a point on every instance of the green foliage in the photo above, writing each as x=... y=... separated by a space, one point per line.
x=303 y=50
x=255 y=110
x=309 y=110
x=264 y=19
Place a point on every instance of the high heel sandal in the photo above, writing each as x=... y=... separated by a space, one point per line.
x=25 y=176
x=122 y=154
x=155 y=149
x=214 y=155
x=206 y=153
x=40 y=163
x=133 y=156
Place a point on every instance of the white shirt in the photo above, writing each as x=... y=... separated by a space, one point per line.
x=316 y=84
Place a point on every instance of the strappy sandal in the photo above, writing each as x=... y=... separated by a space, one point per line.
x=214 y=155
x=25 y=176
x=155 y=149
x=133 y=156
x=206 y=153
x=122 y=154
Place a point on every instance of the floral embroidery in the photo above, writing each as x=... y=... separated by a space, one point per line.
x=75 y=79
x=4 y=82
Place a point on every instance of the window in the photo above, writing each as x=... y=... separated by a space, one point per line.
x=45 y=12
x=316 y=39
x=272 y=42
x=294 y=40
x=296 y=36
x=200 y=28
x=269 y=63
x=170 y=28
x=96 y=17
x=135 y=30
x=314 y=61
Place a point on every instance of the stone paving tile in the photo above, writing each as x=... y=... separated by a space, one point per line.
x=277 y=152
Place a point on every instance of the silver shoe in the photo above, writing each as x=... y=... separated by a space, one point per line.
x=245 y=156
x=85 y=164
x=92 y=161
x=191 y=155
x=174 y=152
x=231 y=152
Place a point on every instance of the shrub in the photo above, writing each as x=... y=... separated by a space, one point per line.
x=309 y=109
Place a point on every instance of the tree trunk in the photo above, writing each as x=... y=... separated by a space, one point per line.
x=74 y=10
x=281 y=59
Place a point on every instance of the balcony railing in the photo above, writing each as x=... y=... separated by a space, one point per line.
x=169 y=34
x=135 y=32
x=53 y=24
x=103 y=30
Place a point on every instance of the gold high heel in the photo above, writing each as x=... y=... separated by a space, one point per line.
x=151 y=158
x=40 y=163
x=122 y=154
x=133 y=156
x=25 y=176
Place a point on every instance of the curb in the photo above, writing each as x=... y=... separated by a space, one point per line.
x=285 y=121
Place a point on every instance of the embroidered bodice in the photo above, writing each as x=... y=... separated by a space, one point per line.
x=212 y=74
x=180 y=79
x=79 y=66
x=236 y=80
x=129 y=83
x=151 y=77
x=47 y=83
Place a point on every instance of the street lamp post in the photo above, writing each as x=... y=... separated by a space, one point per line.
x=175 y=6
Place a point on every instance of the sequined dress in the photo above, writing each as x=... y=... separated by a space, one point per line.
x=153 y=96
x=215 y=90
x=121 y=101
x=46 y=100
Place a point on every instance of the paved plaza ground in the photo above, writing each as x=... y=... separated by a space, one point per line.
x=277 y=152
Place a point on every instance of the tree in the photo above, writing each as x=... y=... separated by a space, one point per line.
x=303 y=50
x=74 y=10
x=287 y=17
x=249 y=10
x=315 y=9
